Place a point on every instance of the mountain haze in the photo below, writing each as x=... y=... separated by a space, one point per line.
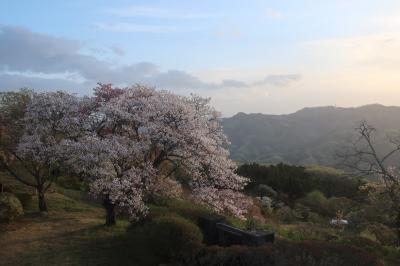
x=309 y=136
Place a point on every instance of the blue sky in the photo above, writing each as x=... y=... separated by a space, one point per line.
x=252 y=56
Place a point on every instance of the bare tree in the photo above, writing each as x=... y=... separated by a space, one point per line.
x=366 y=159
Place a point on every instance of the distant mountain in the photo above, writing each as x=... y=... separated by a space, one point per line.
x=309 y=136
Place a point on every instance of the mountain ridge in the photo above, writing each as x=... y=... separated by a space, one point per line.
x=332 y=107
x=311 y=135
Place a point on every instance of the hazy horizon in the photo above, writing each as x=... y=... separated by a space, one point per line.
x=319 y=106
x=270 y=57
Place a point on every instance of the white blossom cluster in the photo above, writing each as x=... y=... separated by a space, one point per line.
x=49 y=118
x=128 y=143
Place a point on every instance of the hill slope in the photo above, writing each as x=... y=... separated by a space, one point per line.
x=309 y=136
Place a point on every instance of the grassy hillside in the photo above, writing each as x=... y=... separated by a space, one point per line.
x=73 y=232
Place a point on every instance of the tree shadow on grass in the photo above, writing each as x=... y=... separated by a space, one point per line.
x=95 y=245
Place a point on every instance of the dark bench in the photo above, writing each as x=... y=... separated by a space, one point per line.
x=216 y=232
x=208 y=226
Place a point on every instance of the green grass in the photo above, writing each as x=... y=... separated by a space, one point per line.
x=324 y=170
x=72 y=233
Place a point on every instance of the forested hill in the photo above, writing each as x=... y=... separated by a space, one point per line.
x=309 y=136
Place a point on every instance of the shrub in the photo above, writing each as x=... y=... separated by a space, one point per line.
x=308 y=231
x=323 y=254
x=315 y=218
x=363 y=243
x=284 y=253
x=184 y=208
x=174 y=238
x=335 y=183
x=24 y=198
x=285 y=179
x=69 y=182
x=287 y=215
x=265 y=190
x=251 y=224
x=317 y=202
x=302 y=211
x=10 y=207
x=265 y=205
x=343 y=204
x=235 y=256
x=385 y=235
x=356 y=219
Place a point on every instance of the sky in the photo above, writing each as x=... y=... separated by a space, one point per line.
x=253 y=56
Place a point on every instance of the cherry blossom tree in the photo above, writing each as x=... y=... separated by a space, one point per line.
x=47 y=119
x=137 y=138
x=12 y=110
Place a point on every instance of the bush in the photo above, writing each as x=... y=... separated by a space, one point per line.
x=357 y=219
x=317 y=202
x=302 y=211
x=287 y=215
x=363 y=243
x=343 y=204
x=24 y=198
x=308 y=231
x=184 y=208
x=174 y=238
x=335 y=183
x=385 y=235
x=69 y=182
x=315 y=218
x=10 y=207
x=265 y=190
x=284 y=253
x=235 y=256
x=322 y=254
x=251 y=224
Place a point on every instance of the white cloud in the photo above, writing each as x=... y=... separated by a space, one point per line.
x=118 y=50
x=156 y=12
x=368 y=51
x=143 y=28
x=272 y=13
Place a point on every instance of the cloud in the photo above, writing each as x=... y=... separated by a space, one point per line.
x=278 y=80
x=143 y=28
x=233 y=83
x=42 y=61
x=15 y=82
x=272 y=13
x=156 y=12
x=117 y=50
x=236 y=34
x=379 y=51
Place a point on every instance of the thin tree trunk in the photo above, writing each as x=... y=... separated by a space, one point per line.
x=42 y=202
x=398 y=227
x=110 y=212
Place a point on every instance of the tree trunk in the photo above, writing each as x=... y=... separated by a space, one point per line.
x=110 y=212
x=398 y=227
x=42 y=202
